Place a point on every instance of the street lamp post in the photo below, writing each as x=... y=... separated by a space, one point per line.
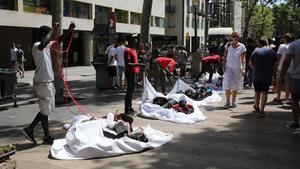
x=195 y=28
x=195 y=41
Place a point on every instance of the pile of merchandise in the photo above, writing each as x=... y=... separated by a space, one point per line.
x=200 y=92
x=181 y=106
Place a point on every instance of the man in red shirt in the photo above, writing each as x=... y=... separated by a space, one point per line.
x=208 y=64
x=163 y=66
x=131 y=70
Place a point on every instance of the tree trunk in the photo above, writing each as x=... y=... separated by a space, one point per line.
x=248 y=17
x=145 y=25
x=57 y=14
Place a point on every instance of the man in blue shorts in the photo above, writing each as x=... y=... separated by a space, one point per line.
x=262 y=62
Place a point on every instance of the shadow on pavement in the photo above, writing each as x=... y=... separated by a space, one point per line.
x=15 y=136
x=246 y=144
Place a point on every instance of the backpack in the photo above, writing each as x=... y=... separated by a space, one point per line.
x=19 y=56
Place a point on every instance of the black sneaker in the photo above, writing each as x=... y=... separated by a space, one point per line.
x=292 y=126
x=132 y=110
x=48 y=140
x=28 y=134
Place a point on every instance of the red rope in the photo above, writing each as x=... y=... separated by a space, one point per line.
x=57 y=51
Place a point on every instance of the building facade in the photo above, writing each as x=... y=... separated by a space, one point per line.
x=95 y=22
x=226 y=13
x=181 y=16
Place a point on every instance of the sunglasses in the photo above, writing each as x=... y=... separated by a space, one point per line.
x=235 y=36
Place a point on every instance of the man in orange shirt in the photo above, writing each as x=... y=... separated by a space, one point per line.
x=163 y=66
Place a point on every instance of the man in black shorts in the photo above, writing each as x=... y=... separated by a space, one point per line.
x=262 y=61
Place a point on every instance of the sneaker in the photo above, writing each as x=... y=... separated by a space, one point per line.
x=277 y=100
x=132 y=110
x=28 y=134
x=292 y=126
x=260 y=114
x=255 y=109
x=227 y=105
x=233 y=105
x=48 y=140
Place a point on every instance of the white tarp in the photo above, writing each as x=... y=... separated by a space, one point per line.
x=85 y=140
x=148 y=109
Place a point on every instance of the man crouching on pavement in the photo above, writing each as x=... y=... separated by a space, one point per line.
x=43 y=79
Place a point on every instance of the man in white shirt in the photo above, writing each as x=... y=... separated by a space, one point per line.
x=281 y=54
x=291 y=65
x=121 y=64
x=13 y=58
x=43 y=79
x=112 y=64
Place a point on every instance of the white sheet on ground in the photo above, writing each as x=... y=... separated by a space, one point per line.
x=148 y=109
x=85 y=140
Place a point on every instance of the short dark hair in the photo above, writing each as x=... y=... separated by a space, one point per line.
x=263 y=41
x=44 y=30
x=288 y=37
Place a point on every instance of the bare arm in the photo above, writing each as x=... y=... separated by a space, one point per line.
x=285 y=65
x=224 y=60
x=68 y=34
x=243 y=61
x=45 y=40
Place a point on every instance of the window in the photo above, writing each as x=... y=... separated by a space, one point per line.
x=37 y=6
x=193 y=23
x=122 y=16
x=188 y=21
x=135 y=18
x=9 y=4
x=77 y=9
x=159 y=22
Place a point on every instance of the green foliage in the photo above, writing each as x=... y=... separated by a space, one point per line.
x=287 y=18
x=261 y=22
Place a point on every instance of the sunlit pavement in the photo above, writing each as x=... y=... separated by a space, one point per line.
x=229 y=139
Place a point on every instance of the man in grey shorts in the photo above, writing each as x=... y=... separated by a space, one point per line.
x=43 y=79
x=291 y=66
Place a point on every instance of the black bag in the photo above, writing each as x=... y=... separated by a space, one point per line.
x=160 y=101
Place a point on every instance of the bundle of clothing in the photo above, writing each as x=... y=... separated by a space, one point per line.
x=89 y=137
x=186 y=114
x=215 y=84
x=199 y=93
x=180 y=106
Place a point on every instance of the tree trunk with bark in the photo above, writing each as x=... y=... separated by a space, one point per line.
x=250 y=6
x=57 y=14
x=145 y=25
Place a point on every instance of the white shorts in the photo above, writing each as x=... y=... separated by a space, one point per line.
x=232 y=79
x=46 y=95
